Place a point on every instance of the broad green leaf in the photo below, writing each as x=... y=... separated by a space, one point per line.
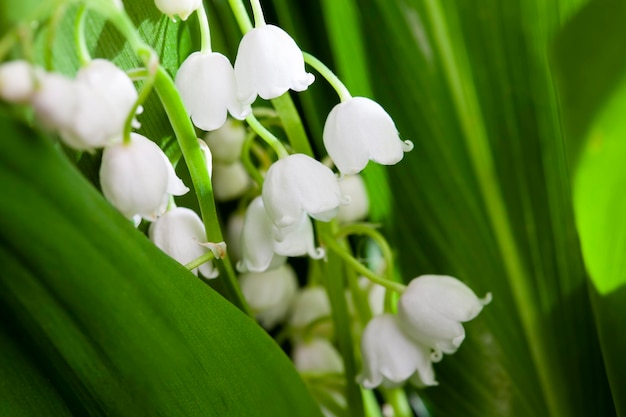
x=112 y=323
x=594 y=102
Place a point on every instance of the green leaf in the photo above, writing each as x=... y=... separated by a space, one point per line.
x=116 y=326
x=594 y=102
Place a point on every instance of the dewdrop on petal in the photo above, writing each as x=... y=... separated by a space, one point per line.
x=138 y=179
x=268 y=64
x=299 y=184
x=390 y=358
x=432 y=308
x=180 y=8
x=207 y=86
x=270 y=294
x=227 y=141
x=17 y=81
x=178 y=233
x=257 y=240
x=359 y=130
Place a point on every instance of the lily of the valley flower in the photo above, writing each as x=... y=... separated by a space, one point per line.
x=433 y=307
x=230 y=180
x=227 y=141
x=270 y=294
x=299 y=184
x=257 y=240
x=180 y=8
x=297 y=240
x=207 y=86
x=17 y=81
x=353 y=187
x=390 y=358
x=317 y=355
x=268 y=63
x=138 y=179
x=90 y=111
x=359 y=130
x=178 y=233
x=312 y=305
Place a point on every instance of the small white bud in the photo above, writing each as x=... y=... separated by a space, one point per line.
x=311 y=305
x=17 y=81
x=353 y=187
x=180 y=8
x=317 y=355
x=227 y=141
x=230 y=181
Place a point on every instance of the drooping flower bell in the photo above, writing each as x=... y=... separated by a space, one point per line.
x=138 y=179
x=312 y=305
x=90 y=111
x=269 y=63
x=390 y=358
x=207 y=86
x=317 y=355
x=230 y=181
x=299 y=184
x=257 y=240
x=432 y=308
x=359 y=130
x=227 y=141
x=180 y=8
x=270 y=294
x=297 y=240
x=179 y=233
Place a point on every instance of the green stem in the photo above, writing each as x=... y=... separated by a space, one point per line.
x=241 y=15
x=457 y=72
x=192 y=153
x=292 y=124
x=369 y=231
x=259 y=19
x=205 y=30
x=247 y=161
x=334 y=283
x=397 y=398
x=267 y=136
x=53 y=28
x=149 y=57
x=330 y=243
x=333 y=80
x=209 y=256
x=79 y=36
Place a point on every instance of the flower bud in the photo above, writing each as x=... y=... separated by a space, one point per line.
x=317 y=355
x=17 y=81
x=433 y=307
x=230 y=181
x=299 y=184
x=390 y=358
x=138 y=179
x=353 y=187
x=227 y=141
x=180 y=8
x=270 y=293
x=234 y=229
x=310 y=305
x=359 y=130
x=268 y=64
x=178 y=233
x=206 y=83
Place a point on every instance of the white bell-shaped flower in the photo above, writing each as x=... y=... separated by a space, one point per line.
x=353 y=187
x=230 y=181
x=257 y=240
x=178 y=233
x=270 y=294
x=180 y=8
x=90 y=111
x=17 y=81
x=234 y=229
x=297 y=240
x=207 y=86
x=390 y=358
x=317 y=355
x=208 y=157
x=432 y=308
x=358 y=130
x=268 y=63
x=299 y=184
x=312 y=305
x=138 y=179
x=227 y=141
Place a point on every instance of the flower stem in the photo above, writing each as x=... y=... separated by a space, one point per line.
x=205 y=30
x=209 y=256
x=292 y=124
x=257 y=10
x=149 y=57
x=241 y=15
x=79 y=36
x=267 y=136
x=397 y=398
x=247 y=162
x=333 y=80
x=192 y=153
